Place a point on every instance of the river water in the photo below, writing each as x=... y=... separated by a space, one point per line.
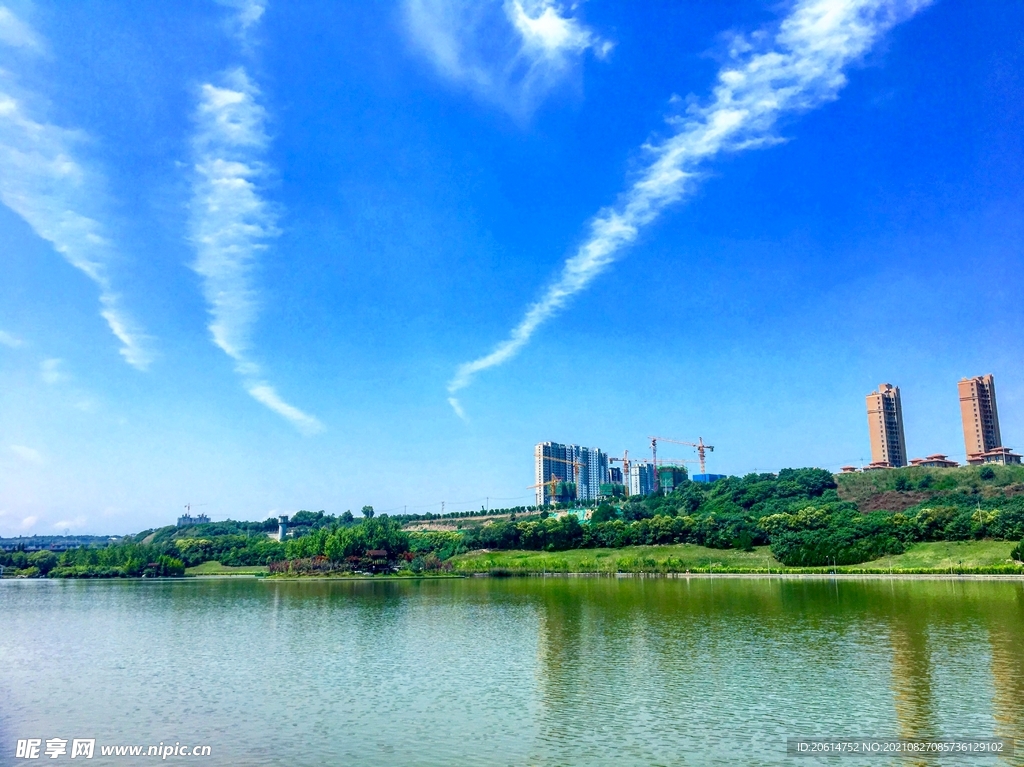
x=525 y=671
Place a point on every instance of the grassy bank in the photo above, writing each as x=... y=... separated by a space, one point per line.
x=216 y=568
x=942 y=555
x=675 y=558
x=938 y=557
x=404 y=575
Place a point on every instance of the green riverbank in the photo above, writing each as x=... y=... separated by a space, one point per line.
x=942 y=557
x=216 y=568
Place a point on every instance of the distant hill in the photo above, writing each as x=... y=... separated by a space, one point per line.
x=55 y=541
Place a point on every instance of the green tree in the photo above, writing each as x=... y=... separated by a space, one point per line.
x=635 y=510
x=603 y=513
x=44 y=560
x=367 y=512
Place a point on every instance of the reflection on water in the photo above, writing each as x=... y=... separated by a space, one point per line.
x=541 y=671
x=911 y=675
x=1006 y=636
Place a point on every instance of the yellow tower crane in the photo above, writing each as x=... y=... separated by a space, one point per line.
x=554 y=479
x=699 y=444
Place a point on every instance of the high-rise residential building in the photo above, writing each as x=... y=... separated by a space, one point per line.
x=593 y=473
x=641 y=478
x=586 y=468
x=979 y=414
x=885 y=428
x=980 y=417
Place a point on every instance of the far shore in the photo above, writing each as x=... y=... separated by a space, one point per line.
x=937 y=576
x=734 y=575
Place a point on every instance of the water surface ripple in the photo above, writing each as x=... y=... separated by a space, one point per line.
x=532 y=671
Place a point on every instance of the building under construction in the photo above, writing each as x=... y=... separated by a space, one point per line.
x=566 y=473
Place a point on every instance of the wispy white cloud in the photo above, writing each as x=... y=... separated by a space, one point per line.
x=70 y=524
x=513 y=53
x=16 y=33
x=547 y=34
x=29 y=454
x=457 y=407
x=11 y=341
x=43 y=182
x=266 y=394
x=247 y=14
x=51 y=373
x=231 y=222
x=798 y=67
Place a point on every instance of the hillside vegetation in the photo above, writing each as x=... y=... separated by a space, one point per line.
x=806 y=518
x=900 y=489
x=800 y=518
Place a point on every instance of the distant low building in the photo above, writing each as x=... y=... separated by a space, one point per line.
x=187 y=520
x=999 y=455
x=936 y=461
x=378 y=559
x=849 y=470
x=708 y=478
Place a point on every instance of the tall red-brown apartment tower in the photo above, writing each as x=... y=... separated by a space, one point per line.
x=981 y=422
x=885 y=426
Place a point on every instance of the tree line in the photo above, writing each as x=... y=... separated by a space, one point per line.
x=798 y=513
x=119 y=560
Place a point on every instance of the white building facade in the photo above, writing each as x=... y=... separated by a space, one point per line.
x=641 y=478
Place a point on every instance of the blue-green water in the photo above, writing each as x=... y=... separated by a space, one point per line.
x=532 y=671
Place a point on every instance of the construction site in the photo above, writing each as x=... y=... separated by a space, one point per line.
x=565 y=473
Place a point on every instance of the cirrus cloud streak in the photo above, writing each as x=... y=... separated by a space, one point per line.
x=58 y=195
x=511 y=53
x=799 y=69
x=231 y=223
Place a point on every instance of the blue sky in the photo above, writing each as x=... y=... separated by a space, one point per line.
x=264 y=256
